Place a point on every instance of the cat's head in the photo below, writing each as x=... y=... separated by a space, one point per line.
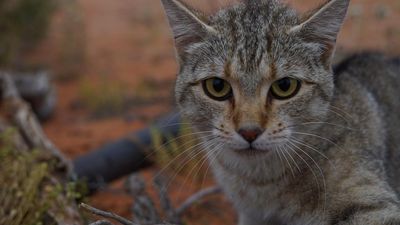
x=253 y=71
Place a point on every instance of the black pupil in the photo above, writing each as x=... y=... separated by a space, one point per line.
x=285 y=84
x=218 y=85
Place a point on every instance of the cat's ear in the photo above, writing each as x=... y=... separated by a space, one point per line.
x=324 y=25
x=188 y=25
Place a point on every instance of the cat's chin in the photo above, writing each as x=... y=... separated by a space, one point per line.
x=248 y=152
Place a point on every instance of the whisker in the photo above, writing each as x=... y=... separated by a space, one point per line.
x=211 y=161
x=286 y=150
x=199 y=151
x=340 y=115
x=180 y=154
x=321 y=122
x=290 y=167
x=201 y=162
x=319 y=168
x=308 y=146
x=149 y=155
x=280 y=157
x=317 y=136
x=341 y=110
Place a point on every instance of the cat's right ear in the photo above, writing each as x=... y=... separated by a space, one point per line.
x=323 y=25
x=188 y=25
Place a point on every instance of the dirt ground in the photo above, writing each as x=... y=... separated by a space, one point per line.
x=102 y=49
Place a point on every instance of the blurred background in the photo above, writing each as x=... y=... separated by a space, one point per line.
x=113 y=66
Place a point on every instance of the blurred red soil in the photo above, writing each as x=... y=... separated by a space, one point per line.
x=129 y=40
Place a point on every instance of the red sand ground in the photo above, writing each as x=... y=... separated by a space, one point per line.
x=128 y=40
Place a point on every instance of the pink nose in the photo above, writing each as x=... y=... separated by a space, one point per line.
x=250 y=134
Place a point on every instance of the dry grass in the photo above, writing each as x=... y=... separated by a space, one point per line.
x=23 y=23
x=21 y=180
x=27 y=191
x=105 y=98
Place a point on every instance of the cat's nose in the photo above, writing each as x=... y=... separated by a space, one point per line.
x=250 y=134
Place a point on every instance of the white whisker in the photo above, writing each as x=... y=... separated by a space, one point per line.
x=319 y=168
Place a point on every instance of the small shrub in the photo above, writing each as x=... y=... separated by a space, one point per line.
x=103 y=98
x=27 y=190
x=22 y=24
x=20 y=181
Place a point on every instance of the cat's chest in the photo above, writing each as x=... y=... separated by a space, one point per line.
x=269 y=198
x=274 y=200
x=263 y=200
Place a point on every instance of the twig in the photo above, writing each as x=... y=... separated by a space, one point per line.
x=197 y=197
x=101 y=222
x=27 y=122
x=105 y=214
x=8 y=88
x=143 y=208
x=19 y=115
x=165 y=201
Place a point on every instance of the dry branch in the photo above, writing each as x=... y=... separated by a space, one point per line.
x=105 y=214
x=113 y=216
x=29 y=136
x=24 y=118
x=172 y=215
x=101 y=222
x=143 y=208
x=196 y=198
x=35 y=87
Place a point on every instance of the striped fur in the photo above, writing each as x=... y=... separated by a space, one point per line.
x=329 y=155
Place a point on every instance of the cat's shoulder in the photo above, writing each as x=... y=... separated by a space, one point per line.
x=364 y=59
x=366 y=64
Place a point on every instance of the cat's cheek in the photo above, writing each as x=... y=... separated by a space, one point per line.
x=318 y=108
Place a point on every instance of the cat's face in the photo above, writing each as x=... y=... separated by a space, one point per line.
x=252 y=74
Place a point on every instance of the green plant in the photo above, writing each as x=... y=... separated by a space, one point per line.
x=20 y=181
x=103 y=98
x=181 y=155
x=146 y=89
x=27 y=189
x=22 y=24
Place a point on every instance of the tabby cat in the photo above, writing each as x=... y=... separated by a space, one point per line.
x=290 y=139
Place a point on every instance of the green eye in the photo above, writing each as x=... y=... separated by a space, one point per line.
x=285 y=88
x=217 y=89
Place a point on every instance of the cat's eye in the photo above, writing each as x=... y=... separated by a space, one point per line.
x=217 y=89
x=285 y=88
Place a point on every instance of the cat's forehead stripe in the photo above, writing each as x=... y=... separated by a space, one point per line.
x=228 y=69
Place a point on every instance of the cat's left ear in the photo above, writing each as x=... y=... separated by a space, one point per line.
x=323 y=26
x=188 y=25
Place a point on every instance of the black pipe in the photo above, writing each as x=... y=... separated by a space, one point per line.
x=122 y=157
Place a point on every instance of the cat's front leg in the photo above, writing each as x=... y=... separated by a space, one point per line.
x=368 y=215
x=245 y=219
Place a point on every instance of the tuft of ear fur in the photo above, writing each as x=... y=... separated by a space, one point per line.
x=188 y=25
x=323 y=26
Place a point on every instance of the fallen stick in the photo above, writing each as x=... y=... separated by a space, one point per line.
x=124 y=156
x=35 y=87
x=105 y=214
x=110 y=215
x=165 y=202
x=16 y=114
x=143 y=209
x=24 y=118
x=196 y=198
x=101 y=222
